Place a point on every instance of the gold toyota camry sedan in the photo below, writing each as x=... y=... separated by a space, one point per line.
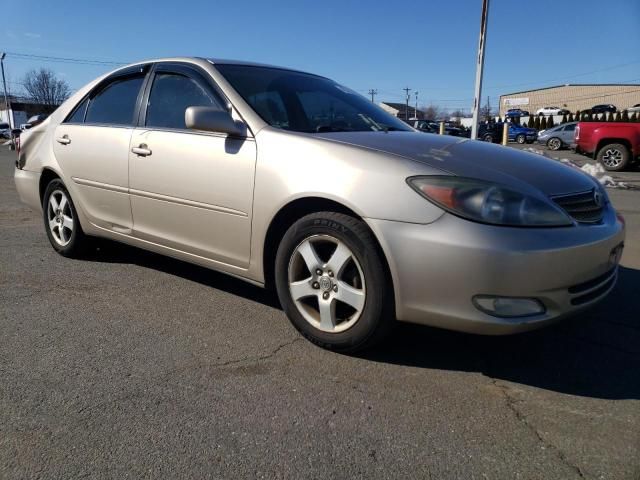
x=290 y=180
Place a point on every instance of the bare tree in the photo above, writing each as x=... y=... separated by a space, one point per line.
x=487 y=112
x=432 y=112
x=42 y=86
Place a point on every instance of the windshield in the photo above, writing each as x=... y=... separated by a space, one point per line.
x=306 y=103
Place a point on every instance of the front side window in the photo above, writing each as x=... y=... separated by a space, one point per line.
x=171 y=94
x=303 y=102
x=570 y=128
x=116 y=103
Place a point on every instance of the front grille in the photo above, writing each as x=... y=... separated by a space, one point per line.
x=584 y=207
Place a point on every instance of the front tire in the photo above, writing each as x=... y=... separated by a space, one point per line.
x=614 y=157
x=61 y=221
x=488 y=138
x=331 y=282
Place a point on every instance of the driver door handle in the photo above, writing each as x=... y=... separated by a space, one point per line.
x=64 y=140
x=141 y=150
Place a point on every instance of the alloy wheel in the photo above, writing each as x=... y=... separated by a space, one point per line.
x=554 y=144
x=326 y=283
x=612 y=157
x=60 y=217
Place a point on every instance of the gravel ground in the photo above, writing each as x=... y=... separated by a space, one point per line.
x=130 y=365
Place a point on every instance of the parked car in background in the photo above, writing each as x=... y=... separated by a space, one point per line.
x=33 y=121
x=5 y=130
x=561 y=136
x=552 y=111
x=608 y=108
x=355 y=219
x=521 y=134
x=433 y=126
x=427 y=126
x=490 y=132
x=614 y=145
x=516 y=112
x=634 y=109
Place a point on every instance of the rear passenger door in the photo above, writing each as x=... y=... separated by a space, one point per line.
x=190 y=190
x=568 y=133
x=92 y=148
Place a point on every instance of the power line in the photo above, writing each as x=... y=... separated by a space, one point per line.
x=48 y=58
x=558 y=79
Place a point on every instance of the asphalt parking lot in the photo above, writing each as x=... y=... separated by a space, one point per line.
x=127 y=364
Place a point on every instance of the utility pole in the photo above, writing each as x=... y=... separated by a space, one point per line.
x=406 y=112
x=373 y=92
x=415 y=112
x=4 y=86
x=479 y=67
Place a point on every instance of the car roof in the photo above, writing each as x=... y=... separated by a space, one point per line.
x=215 y=61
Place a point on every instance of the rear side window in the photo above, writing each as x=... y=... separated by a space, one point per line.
x=171 y=95
x=78 y=114
x=116 y=103
x=570 y=128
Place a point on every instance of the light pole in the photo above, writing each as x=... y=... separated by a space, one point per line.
x=479 y=67
x=415 y=112
x=6 y=99
x=406 y=111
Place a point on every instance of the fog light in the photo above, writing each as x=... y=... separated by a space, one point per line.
x=508 y=307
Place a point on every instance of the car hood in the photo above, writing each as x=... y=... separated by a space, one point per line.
x=469 y=158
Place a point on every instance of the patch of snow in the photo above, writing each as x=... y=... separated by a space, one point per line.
x=598 y=172
x=537 y=151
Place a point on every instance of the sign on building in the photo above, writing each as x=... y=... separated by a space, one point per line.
x=516 y=102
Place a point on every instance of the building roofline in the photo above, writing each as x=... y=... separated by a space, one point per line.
x=574 y=85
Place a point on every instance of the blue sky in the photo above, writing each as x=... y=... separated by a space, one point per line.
x=429 y=46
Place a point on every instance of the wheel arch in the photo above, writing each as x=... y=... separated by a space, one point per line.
x=293 y=211
x=607 y=141
x=46 y=176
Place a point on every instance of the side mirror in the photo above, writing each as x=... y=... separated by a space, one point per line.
x=211 y=119
x=16 y=132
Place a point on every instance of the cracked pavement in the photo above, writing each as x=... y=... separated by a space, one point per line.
x=127 y=364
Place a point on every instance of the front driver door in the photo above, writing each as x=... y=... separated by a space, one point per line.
x=191 y=191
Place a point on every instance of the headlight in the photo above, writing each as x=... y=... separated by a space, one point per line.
x=488 y=202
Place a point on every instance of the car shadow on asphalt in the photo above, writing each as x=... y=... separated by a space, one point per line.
x=113 y=252
x=595 y=354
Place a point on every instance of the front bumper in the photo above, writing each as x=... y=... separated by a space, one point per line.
x=438 y=268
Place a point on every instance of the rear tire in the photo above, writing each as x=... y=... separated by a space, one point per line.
x=331 y=282
x=614 y=157
x=61 y=221
x=554 y=144
x=488 y=138
x=521 y=139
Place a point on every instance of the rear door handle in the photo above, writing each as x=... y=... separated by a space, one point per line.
x=64 y=140
x=142 y=150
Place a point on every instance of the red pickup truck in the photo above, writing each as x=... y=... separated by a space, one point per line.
x=614 y=145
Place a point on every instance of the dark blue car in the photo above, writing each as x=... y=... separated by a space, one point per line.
x=516 y=112
x=520 y=134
